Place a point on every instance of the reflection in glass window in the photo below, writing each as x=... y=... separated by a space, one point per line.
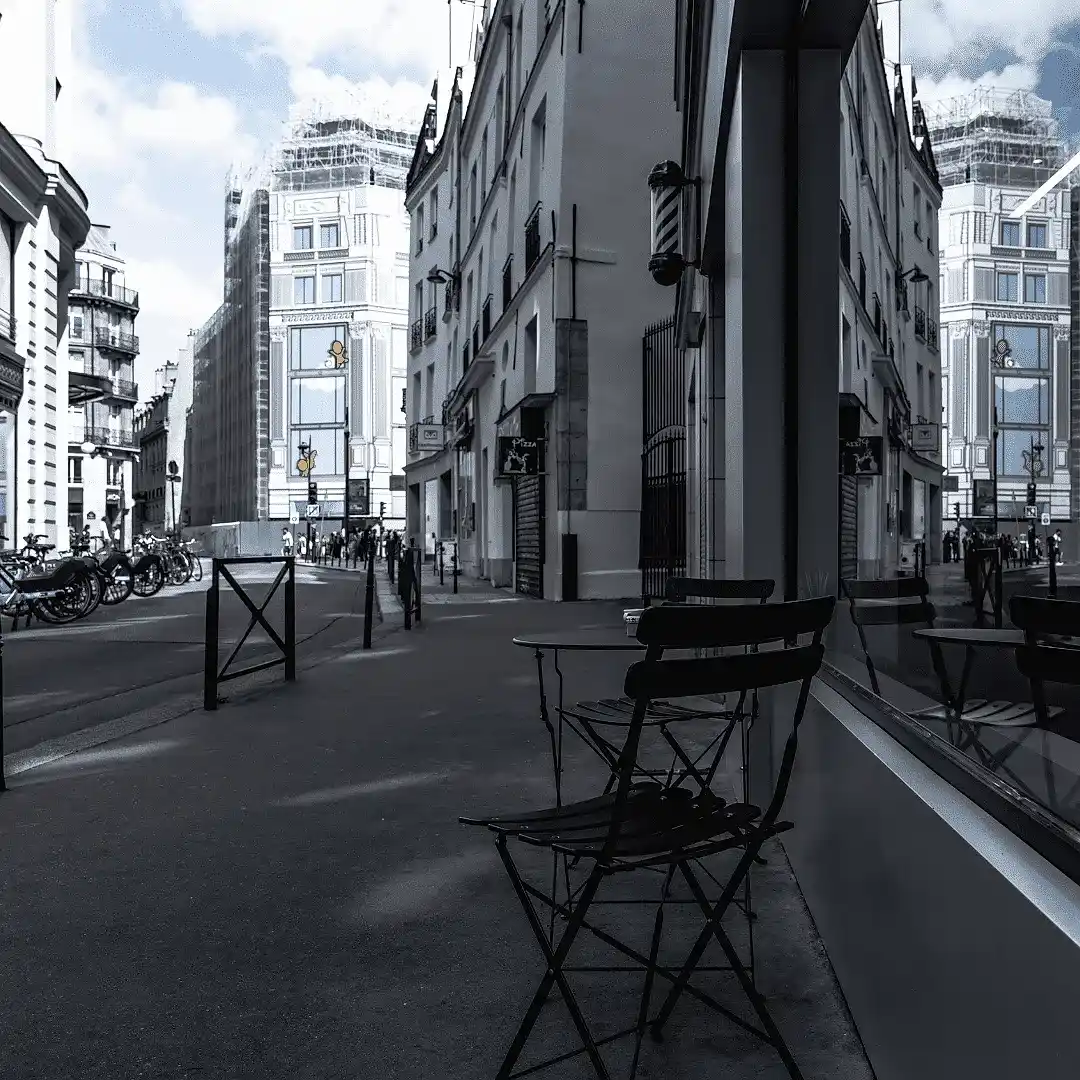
x=329 y=236
x=1013 y=444
x=309 y=346
x=1008 y=287
x=1030 y=345
x=302 y=238
x=1036 y=234
x=331 y=289
x=1034 y=288
x=328 y=445
x=1010 y=234
x=304 y=290
x=1022 y=400
x=318 y=399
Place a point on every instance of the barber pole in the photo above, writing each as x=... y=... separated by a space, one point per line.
x=666 y=185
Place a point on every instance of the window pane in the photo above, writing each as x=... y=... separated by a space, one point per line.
x=1036 y=236
x=318 y=399
x=1034 y=289
x=1010 y=233
x=328 y=447
x=328 y=236
x=301 y=237
x=331 y=289
x=1023 y=401
x=309 y=346
x=1030 y=344
x=1013 y=444
x=1007 y=287
x=304 y=290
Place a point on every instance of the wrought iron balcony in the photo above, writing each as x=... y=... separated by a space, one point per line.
x=107 y=291
x=485 y=319
x=430 y=322
x=7 y=325
x=108 y=437
x=902 y=296
x=465 y=358
x=107 y=338
x=124 y=388
x=532 y=237
x=884 y=332
x=920 y=322
x=476 y=337
x=508 y=282
x=416 y=335
x=845 y=239
x=862 y=280
x=931 y=332
x=448 y=300
x=877 y=314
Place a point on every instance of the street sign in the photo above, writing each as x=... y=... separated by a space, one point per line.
x=359 y=499
x=1046 y=519
x=294 y=518
x=313 y=510
x=1032 y=511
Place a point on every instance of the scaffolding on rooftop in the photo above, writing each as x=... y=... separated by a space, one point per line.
x=1007 y=138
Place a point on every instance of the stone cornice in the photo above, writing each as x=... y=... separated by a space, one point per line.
x=23 y=180
x=70 y=203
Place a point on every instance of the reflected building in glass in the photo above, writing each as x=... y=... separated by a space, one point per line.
x=1005 y=306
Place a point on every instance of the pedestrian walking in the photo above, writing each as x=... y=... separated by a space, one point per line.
x=286 y=543
x=350 y=552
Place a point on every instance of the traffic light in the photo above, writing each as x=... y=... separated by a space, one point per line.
x=312 y=492
x=382 y=509
x=956 y=509
x=1033 y=496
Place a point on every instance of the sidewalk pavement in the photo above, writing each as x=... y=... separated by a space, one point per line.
x=282 y=889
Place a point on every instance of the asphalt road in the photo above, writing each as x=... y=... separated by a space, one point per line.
x=58 y=679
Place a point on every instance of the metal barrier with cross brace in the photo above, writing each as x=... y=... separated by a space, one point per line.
x=213 y=675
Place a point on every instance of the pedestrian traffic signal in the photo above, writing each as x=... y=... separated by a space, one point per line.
x=312 y=492
x=382 y=509
x=956 y=509
x=1033 y=496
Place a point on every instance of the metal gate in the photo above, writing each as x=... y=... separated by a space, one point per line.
x=849 y=527
x=662 y=550
x=529 y=535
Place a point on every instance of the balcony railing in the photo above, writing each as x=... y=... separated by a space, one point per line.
x=416 y=334
x=532 y=237
x=107 y=291
x=508 y=282
x=124 y=388
x=862 y=280
x=931 y=332
x=107 y=338
x=103 y=436
x=476 y=338
x=902 y=295
x=448 y=300
x=485 y=319
x=877 y=314
x=465 y=358
x=884 y=332
x=845 y=239
x=7 y=325
x=920 y=323
x=430 y=322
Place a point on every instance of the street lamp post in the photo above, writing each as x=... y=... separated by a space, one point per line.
x=338 y=358
x=304 y=450
x=1001 y=359
x=174 y=478
x=1035 y=468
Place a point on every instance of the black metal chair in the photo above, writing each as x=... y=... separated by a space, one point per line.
x=647 y=826
x=589 y=718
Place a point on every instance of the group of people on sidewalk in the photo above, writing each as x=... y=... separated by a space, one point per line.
x=353 y=547
x=959 y=543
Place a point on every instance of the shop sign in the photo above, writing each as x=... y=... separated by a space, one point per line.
x=861 y=456
x=926 y=437
x=520 y=457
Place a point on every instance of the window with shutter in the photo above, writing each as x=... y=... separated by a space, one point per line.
x=357 y=416
x=984 y=284
x=1058 y=289
x=282 y=290
x=381 y=390
x=360 y=229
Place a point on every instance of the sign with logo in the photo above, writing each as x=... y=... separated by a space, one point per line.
x=982 y=504
x=294 y=518
x=1046 y=519
x=359 y=498
x=426 y=437
x=1032 y=511
x=313 y=510
x=520 y=457
x=861 y=456
x=926 y=437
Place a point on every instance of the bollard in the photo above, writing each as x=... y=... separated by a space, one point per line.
x=290 y=622
x=3 y=782
x=369 y=598
x=210 y=660
x=1051 y=550
x=454 y=566
x=417 y=578
x=405 y=589
x=441 y=565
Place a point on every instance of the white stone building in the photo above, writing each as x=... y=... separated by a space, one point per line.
x=102 y=346
x=527 y=207
x=43 y=220
x=338 y=273
x=890 y=373
x=1006 y=279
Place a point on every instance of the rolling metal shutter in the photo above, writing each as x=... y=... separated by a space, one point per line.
x=849 y=527
x=529 y=535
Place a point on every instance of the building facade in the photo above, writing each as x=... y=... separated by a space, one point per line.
x=526 y=263
x=102 y=346
x=338 y=311
x=1006 y=281
x=43 y=221
x=890 y=381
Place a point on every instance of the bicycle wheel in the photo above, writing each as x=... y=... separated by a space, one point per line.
x=176 y=569
x=148 y=578
x=73 y=602
x=118 y=584
x=196 y=567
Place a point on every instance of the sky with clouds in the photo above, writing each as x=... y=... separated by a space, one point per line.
x=166 y=94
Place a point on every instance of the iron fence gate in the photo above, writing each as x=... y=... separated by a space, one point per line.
x=662 y=548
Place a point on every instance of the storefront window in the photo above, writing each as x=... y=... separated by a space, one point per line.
x=318 y=399
x=309 y=346
x=1029 y=345
x=328 y=449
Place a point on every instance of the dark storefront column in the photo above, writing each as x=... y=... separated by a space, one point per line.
x=759 y=494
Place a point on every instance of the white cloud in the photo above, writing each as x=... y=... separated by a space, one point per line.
x=1011 y=77
x=403 y=101
x=391 y=35
x=113 y=124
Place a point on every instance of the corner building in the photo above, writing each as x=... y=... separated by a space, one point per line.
x=529 y=294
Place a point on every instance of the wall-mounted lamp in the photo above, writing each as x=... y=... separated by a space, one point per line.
x=441 y=277
x=667 y=183
x=916 y=275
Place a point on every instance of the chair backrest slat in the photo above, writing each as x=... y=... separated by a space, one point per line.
x=1042 y=658
x=708 y=626
x=678 y=589
x=893 y=614
x=1039 y=615
x=1049 y=663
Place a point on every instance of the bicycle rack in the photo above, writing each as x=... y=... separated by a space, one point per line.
x=213 y=675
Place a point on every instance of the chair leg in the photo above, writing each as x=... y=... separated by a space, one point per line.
x=650 y=972
x=751 y=991
x=717 y=912
x=554 y=974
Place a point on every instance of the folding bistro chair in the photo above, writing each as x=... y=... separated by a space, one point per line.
x=589 y=719
x=647 y=826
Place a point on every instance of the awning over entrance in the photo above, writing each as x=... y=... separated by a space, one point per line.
x=84 y=388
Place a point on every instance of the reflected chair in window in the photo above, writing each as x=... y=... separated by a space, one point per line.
x=664 y=831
